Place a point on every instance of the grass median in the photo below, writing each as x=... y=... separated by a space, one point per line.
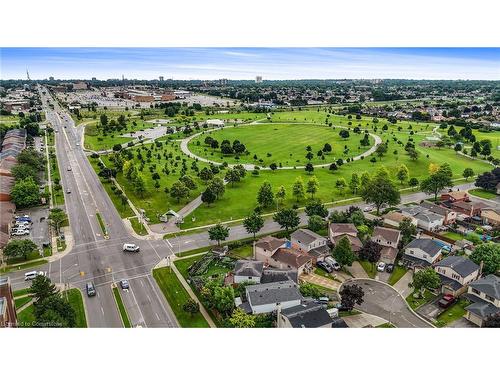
x=75 y=299
x=121 y=308
x=101 y=223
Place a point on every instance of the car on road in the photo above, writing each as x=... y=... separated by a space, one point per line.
x=68 y=191
x=381 y=267
x=124 y=284
x=30 y=275
x=446 y=301
x=20 y=232
x=77 y=144
x=90 y=287
x=368 y=209
x=131 y=247
x=323 y=300
x=69 y=168
x=389 y=268
x=324 y=266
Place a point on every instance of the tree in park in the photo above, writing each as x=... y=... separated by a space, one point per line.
x=315 y=207
x=208 y=197
x=191 y=307
x=139 y=186
x=206 y=174
x=365 y=179
x=327 y=148
x=31 y=157
x=19 y=248
x=189 y=182
x=408 y=230
x=425 y=279
x=315 y=223
x=309 y=156
x=287 y=218
x=437 y=181
x=350 y=295
x=253 y=223
x=354 y=183
x=280 y=194
x=240 y=319
x=56 y=218
x=413 y=154
x=298 y=189
x=468 y=173
x=232 y=176
x=42 y=287
x=341 y=184
x=333 y=167
x=381 y=150
x=309 y=168
x=217 y=187
x=218 y=233
x=413 y=182
x=370 y=251
x=489 y=254
x=380 y=191
x=25 y=193
x=310 y=290
x=265 y=196
x=343 y=252
x=312 y=186
x=344 y=134
x=273 y=166
x=104 y=121
x=365 y=141
x=492 y=321
x=402 y=174
x=458 y=147
x=179 y=191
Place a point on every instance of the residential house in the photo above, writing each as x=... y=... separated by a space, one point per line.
x=389 y=239
x=395 y=218
x=456 y=274
x=310 y=242
x=337 y=231
x=422 y=252
x=306 y=315
x=267 y=246
x=272 y=275
x=265 y=298
x=8 y=317
x=248 y=271
x=469 y=209
x=490 y=217
x=429 y=221
x=484 y=294
x=455 y=196
x=449 y=216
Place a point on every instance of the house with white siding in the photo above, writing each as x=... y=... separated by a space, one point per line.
x=456 y=274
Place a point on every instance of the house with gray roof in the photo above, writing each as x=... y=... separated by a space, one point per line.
x=429 y=220
x=265 y=298
x=306 y=315
x=422 y=252
x=456 y=274
x=310 y=242
x=484 y=294
x=248 y=271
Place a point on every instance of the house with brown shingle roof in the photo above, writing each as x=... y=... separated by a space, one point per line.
x=455 y=196
x=336 y=231
x=280 y=254
x=389 y=240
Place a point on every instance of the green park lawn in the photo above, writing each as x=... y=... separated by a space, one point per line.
x=280 y=143
x=75 y=299
x=177 y=296
x=481 y=193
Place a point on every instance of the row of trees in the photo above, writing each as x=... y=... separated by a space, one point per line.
x=26 y=191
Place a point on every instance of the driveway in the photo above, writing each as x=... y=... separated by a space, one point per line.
x=363 y=320
x=321 y=281
x=357 y=270
x=385 y=302
x=402 y=285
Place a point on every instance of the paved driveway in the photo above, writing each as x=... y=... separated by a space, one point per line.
x=320 y=280
x=383 y=301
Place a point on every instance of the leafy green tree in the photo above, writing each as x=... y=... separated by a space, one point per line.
x=31 y=157
x=179 y=191
x=354 y=183
x=240 y=319
x=380 y=191
x=315 y=223
x=437 y=181
x=315 y=207
x=253 y=223
x=298 y=189
x=309 y=168
x=191 y=307
x=224 y=299
x=280 y=194
x=365 y=178
x=42 y=287
x=381 y=150
x=287 y=218
x=54 y=311
x=408 y=229
x=206 y=174
x=139 y=186
x=312 y=186
x=208 y=197
x=19 y=248
x=218 y=233
x=343 y=252
x=25 y=193
x=232 y=176
x=468 y=173
x=413 y=182
x=489 y=254
x=189 y=182
x=310 y=290
x=22 y=171
x=340 y=184
x=425 y=279
x=56 y=217
x=265 y=196
x=370 y=251
x=402 y=174
x=217 y=187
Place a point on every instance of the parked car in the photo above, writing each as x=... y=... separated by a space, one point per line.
x=323 y=300
x=130 y=247
x=389 y=268
x=20 y=232
x=90 y=289
x=324 y=266
x=446 y=301
x=333 y=263
x=124 y=284
x=340 y=307
x=23 y=218
x=381 y=267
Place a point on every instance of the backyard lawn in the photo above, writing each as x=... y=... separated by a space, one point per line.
x=453 y=236
x=481 y=193
x=452 y=313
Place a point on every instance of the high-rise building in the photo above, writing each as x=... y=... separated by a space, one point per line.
x=51 y=78
x=258 y=79
x=161 y=78
x=94 y=79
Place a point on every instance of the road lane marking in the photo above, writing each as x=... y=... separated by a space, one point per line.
x=137 y=304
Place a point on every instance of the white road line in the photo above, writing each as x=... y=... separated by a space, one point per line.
x=167 y=315
x=157 y=316
x=167 y=241
x=102 y=310
x=158 y=255
x=140 y=311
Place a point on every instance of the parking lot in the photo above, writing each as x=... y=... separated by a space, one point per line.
x=39 y=231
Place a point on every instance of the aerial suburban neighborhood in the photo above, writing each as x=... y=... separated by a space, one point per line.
x=341 y=203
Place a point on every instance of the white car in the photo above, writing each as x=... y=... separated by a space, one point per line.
x=130 y=247
x=20 y=232
x=381 y=267
x=69 y=168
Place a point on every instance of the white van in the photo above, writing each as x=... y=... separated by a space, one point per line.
x=30 y=275
x=130 y=247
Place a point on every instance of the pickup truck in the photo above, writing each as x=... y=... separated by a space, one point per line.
x=446 y=301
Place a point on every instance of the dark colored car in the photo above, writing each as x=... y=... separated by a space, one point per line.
x=90 y=289
x=446 y=301
x=324 y=266
x=389 y=268
x=124 y=284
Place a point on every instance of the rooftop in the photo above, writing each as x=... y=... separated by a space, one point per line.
x=306 y=236
x=463 y=266
x=427 y=245
x=489 y=285
x=307 y=315
x=277 y=292
x=388 y=234
x=270 y=243
x=248 y=268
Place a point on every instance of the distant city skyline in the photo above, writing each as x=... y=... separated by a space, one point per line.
x=247 y=63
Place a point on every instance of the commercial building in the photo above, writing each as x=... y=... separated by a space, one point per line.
x=8 y=317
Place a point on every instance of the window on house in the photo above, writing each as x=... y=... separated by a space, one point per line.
x=412 y=252
x=489 y=298
x=475 y=291
x=425 y=256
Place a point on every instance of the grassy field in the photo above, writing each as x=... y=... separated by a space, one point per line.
x=121 y=308
x=244 y=251
x=214 y=269
x=481 y=193
x=177 y=296
x=21 y=292
x=138 y=227
x=26 y=317
x=22 y=266
x=21 y=301
x=397 y=274
x=280 y=143
x=75 y=299
x=417 y=302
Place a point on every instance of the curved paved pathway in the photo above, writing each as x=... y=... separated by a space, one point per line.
x=185 y=148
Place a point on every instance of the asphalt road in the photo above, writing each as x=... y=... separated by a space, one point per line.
x=382 y=300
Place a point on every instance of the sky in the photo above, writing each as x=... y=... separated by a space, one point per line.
x=246 y=63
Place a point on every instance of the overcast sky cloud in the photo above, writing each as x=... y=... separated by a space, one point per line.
x=246 y=63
